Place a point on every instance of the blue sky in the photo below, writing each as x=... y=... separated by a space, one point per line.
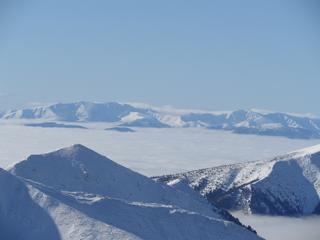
x=219 y=55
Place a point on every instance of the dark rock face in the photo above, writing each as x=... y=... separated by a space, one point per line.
x=231 y=218
x=222 y=200
x=235 y=200
x=264 y=203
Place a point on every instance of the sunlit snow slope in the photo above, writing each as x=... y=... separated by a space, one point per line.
x=75 y=193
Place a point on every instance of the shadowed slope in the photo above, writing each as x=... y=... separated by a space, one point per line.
x=20 y=215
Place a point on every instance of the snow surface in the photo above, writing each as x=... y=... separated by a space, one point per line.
x=75 y=193
x=286 y=185
x=152 y=152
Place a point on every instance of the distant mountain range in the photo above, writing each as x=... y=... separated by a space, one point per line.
x=285 y=185
x=126 y=115
x=75 y=193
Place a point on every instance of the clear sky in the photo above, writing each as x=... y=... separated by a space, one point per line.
x=219 y=55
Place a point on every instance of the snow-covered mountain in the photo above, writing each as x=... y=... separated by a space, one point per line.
x=241 y=121
x=76 y=193
x=259 y=123
x=285 y=185
x=79 y=111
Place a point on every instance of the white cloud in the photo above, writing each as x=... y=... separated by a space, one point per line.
x=274 y=228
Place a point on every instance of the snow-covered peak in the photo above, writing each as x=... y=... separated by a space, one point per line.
x=76 y=193
x=79 y=169
x=78 y=111
x=75 y=150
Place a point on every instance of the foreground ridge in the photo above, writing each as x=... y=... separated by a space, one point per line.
x=76 y=193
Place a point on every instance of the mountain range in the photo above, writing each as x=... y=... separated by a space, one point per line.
x=75 y=193
x=131 y=115
x=286 y=185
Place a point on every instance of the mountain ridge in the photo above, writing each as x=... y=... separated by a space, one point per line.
x=285 y=185
x=255 y=122
x=83 y=195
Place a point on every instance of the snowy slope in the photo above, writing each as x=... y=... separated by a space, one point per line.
x=285 y=185
x=79 y=111
x=240 y=121
x=75 y=193
x=20 y=215
x=259 y=123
